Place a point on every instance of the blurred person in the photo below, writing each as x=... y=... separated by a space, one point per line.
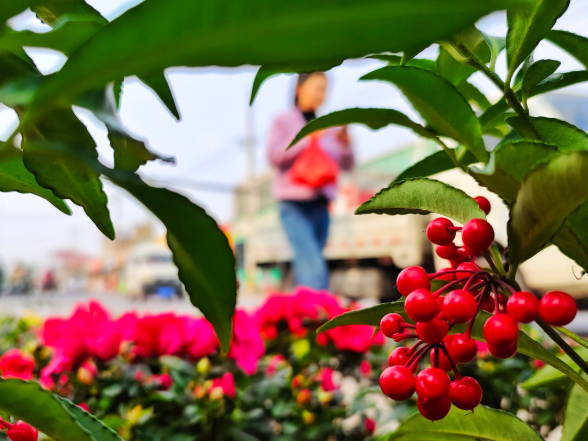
x=49 y=282
x=305 y=178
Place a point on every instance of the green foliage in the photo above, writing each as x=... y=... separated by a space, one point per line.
x=438 y=102
x=422 y=196
x=54 y=416
x=435 y=163
x=576 y=45
x=485 y=423
x=576 y=416
x=365 y=316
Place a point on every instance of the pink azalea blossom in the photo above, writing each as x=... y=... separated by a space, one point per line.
x=247 y=346
x=15 y=364
x=326 y=378
x=226 y=383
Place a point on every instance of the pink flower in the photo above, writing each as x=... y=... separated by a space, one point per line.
x=369 y=424
x=200 y=338
x=365 y=368
x=15 y=364
x=164 y=381
x=226 y=383
x=157 y=335
x=273 y=364
x=326 y=378
x=247 y=346
x=357 y=338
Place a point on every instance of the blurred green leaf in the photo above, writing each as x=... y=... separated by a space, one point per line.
x=397 y=60
x=51 y=11
x=559 y=81
x=365 y=316
x=564 y=135
x=261 y=32
x=547 y=375
x=423 y=196
x=575 y=427
x=51 y=414
x=435 y=163
x=67 y=179
x=575 y=45
x=548 y=195
x=528 y=24
x=373 y=118
x=473 y=95
x=484 y=423
x=14 y=176
x=454 y=66
x=438 y=102
x=201 y=250
x=158 y=83
x=536 y=73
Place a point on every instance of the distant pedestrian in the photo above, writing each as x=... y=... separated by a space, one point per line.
x=306 y=178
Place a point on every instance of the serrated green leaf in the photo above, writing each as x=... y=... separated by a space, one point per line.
x=201 y=250
x=158 y=83
x=435 y=163
x=483 y=423
x=536 y=73
x=562 y=134
x=473 y=95
x=267 y=71
x=548 y=195
x=438 y=102
x=27 y=401
x=527 y=25
x=68 y=180
x=373 y=118
x=97 y=429
x=549 y=375
x=575 y=45
x=575 y=426
x=423 y=196
x=262 y=32
x=559 y=81
x=14 y=176
x=454 y=66
x=365 y=316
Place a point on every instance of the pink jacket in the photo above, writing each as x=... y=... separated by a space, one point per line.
x=284 y=129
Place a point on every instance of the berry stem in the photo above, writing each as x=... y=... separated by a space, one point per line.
x=449 y=285
x=453 y=365
x=416 y=356
x=562 y=344
x=442 y=273
x=480 y=301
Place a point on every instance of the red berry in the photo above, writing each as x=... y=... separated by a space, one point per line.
x=421 y=306
x=447 y=277
x=411 y=278
x=434 y=409
x=433 y=331
x=477 y=235
x=488 y=304
x=483 y=203
x=441 y=231
x=503 y=351
x=469 y=269
x=465 y=393
x=432 y=383
x=444 y=362
x=523 y=306
x=459 y=305
x=21 y=431
x=390 y=324
x=397 y=382
x=449 y=252
x=501 y=330
x=462 y=348
x=557 y=308
x=399 y=356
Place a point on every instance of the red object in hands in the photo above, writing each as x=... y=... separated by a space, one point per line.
x=314 y=167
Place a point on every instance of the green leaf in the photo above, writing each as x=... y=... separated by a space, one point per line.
x=423 y=196
x=536 y=73
x=454 y=66
x=14 y=176
x=548 y=195
x=397 y=60
x=509 y=164
x=473 y=95
x=373 y=118
x=575 y=427
x=572 y=238
x=50 y=11
x=438 y=102
x=581 y=341
x=435 y=163
x=483 y=423
x=575 y=45
x=431 y=436
x=559 y=81
x=52 y=415
x=564 y=135
x=548 y=375
x=10 y=9
x=365 y=316
x=67 y=179
x=261 y=32
x=98 y=430
x=158 y=83
x=201 y=250
x=268 y=71
x=527 y=26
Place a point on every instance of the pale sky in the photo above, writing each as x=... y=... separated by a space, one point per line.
x=208 y=141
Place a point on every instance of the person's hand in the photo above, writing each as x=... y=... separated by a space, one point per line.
x=343 y=136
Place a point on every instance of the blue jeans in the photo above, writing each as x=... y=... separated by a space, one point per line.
x=307 y=227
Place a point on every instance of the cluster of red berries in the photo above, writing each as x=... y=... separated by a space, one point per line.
x=467 y=289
